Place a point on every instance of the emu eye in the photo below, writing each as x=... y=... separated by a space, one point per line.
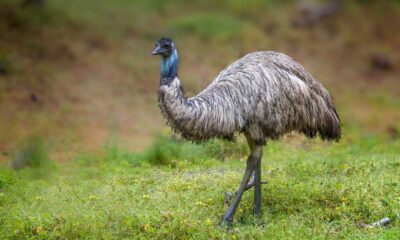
x=165 y=46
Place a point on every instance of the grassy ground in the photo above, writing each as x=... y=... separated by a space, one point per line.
x=175 y=190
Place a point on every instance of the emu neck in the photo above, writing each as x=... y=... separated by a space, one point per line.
x=173 y=104
x=169 y=66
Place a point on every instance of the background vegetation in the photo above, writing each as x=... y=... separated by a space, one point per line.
x=85 y=153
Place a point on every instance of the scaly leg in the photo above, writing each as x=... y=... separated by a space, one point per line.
x=252 y=182
x=229 y=196
x=251 y=161
x=257 y=187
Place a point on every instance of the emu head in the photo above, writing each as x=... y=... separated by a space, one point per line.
x=164 y=47
x=169 y=65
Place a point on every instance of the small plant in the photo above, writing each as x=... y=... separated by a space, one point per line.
x=164 y=151
x=223 y=150
x=170 y=150
x=33 y=154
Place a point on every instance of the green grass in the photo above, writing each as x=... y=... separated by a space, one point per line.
x=315 y=190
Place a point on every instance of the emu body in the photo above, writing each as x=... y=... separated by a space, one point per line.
x=263 y=95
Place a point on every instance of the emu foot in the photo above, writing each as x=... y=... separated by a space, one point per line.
x=228 y=223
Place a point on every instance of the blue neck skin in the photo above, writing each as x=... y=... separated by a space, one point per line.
x=169 y=66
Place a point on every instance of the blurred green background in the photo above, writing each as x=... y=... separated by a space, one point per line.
x=79 y=73
x=85 y=153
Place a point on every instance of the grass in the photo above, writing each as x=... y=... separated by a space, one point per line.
x=209 y=26
x=315 y=190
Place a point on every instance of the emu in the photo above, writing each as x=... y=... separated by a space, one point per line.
x=263 y=95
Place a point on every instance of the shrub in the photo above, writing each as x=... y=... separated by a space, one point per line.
x=168 y=151
x=164 y=151
x=33 y=153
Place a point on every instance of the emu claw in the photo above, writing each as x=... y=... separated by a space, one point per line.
x=226 y=223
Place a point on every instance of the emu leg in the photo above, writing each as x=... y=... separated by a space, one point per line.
x=257 y=188
x=252 y=183
x=251 y=161
x=229 y=196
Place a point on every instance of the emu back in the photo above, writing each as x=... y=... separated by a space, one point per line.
x=263 y=95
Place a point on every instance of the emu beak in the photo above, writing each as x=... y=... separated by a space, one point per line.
x=157 y=50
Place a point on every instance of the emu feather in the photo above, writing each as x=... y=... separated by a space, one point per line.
x=263 y=94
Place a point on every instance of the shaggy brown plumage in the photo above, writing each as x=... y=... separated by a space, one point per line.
x=262 y=95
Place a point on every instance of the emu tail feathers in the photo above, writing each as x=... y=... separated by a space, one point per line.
x=324 y=120
x=330 y=127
